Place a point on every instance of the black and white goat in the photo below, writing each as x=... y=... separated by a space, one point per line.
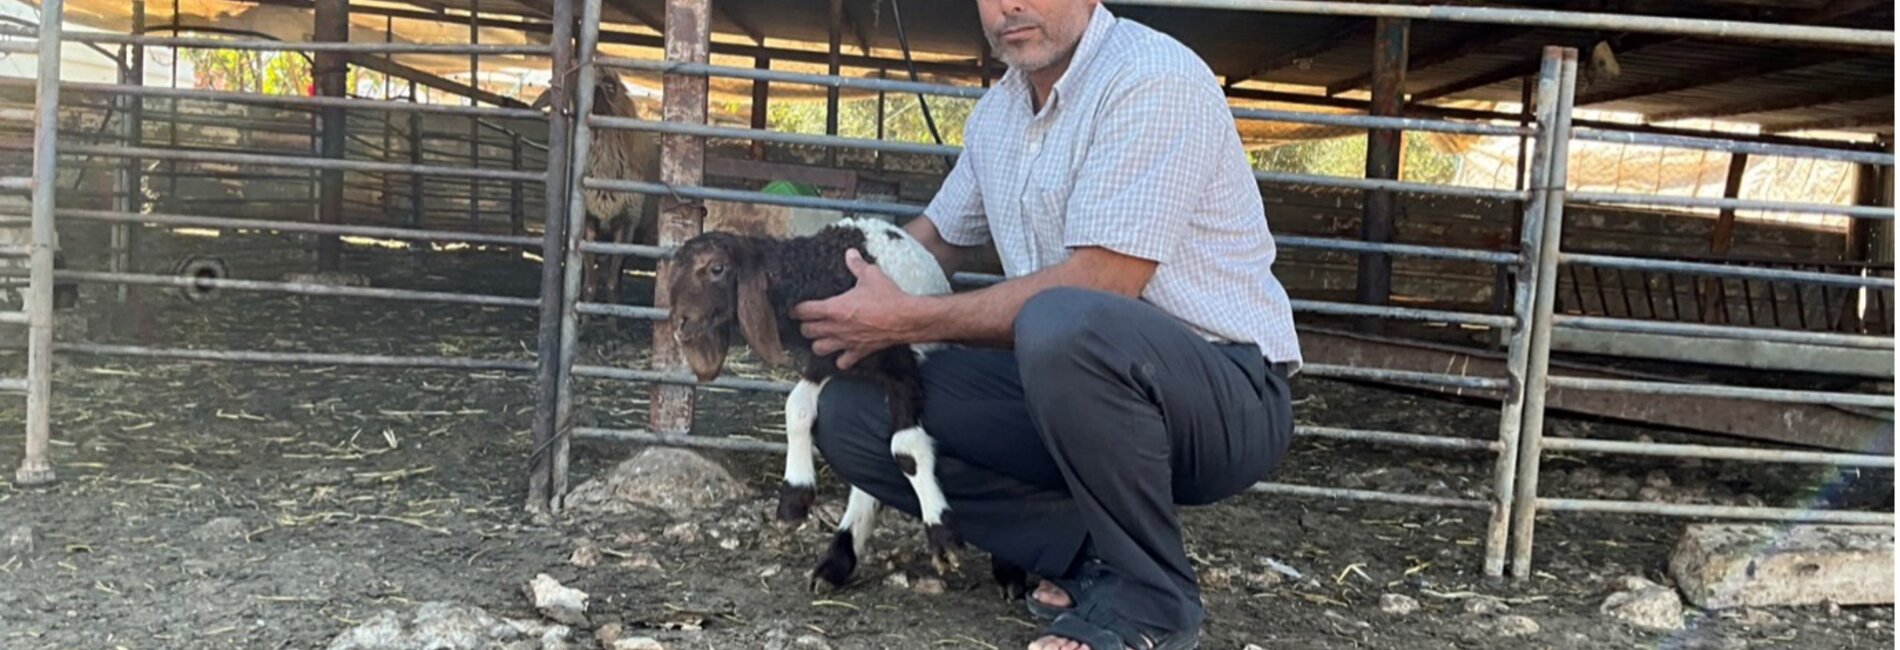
x=616 y=217
x=720 y=282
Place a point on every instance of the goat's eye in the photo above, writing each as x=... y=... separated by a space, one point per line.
x=718 y=269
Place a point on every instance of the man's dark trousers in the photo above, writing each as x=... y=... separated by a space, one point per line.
x=1106 y=415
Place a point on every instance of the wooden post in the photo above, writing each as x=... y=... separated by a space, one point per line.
x=1501 y=287
x=1382 y=162
x=761 y=94
x=474 y=123
x=683 y=162
x=332 y=72
x=1721 y=239
x=130 y=195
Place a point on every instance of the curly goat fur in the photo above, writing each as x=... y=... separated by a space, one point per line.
x=782 y=273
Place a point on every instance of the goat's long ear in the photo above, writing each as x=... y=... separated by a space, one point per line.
x=757 y=320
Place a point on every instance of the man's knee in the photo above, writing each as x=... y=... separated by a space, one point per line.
x=852 y=429
x=1062 y=324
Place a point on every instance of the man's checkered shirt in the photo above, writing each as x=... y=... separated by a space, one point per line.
x=1136 y=152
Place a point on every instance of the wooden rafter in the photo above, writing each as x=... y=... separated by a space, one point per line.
x=1322 y=45
x=1857 y=120
x=1530 y=66
x=1780 y=103
x=645 y=17
x=1712 y=75
x=407 y=73
x=745 y=26
x=1473 y=42
x=857 y=31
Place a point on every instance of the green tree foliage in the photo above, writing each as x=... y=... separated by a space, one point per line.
x=903 y=119
x=1418 y=160
x=269 y=73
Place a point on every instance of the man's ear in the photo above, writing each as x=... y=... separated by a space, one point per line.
x=758 y=322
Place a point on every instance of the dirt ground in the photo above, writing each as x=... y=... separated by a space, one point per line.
x=358 y=490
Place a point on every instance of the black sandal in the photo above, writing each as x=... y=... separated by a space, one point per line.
x=1090 y=575
x=1091 y=624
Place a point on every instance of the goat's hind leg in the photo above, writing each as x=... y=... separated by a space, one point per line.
x=848 y=545
x=916 y=456
x=799 y=491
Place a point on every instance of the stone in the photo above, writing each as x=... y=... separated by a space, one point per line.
x=636 y=643
x=586 y=555
x=811 y=642
x=897 y=581
x=607 y=634
x=562 y=604
x=448 y=626
x=1265 y=580
x=222 y=529
x=1397 y=604
x=1653 y=608
x=928 y=586
x=1719 y=566
x=19 y=539
x=1484 y=605
x=1633 y=583
x=1514 y=626
x=677 y=481
x=684 y=532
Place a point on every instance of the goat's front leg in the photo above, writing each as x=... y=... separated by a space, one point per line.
x=916 y=456
x=796 y=495
x=848 y=545
x=622 y=230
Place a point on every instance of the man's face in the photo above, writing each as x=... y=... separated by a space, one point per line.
x=1032 y=34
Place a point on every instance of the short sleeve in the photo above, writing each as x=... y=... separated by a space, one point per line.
x=1147 y=167
x=957 y=209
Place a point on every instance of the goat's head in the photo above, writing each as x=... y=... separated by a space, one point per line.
x=610 y=96
x=717 y=281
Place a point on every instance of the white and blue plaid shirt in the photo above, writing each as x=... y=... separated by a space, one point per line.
x=1136 y=152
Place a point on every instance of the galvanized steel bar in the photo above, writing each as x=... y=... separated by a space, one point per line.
x=16 y=115
x=406 y=234
x=16 y=184
x=1728 y=271
x=261 y=45
x=710 y=131
x=1396 y=438
x=681 y=379
x=303 y=163
x=303 y=358
x=1610 y=324
x=1536 y=388
x=1504 y=477
x=35 y=467
x=1716 y=453
x=368 y=105
x=722 y=194
x=1713 y=390
x=645 y=437
x=756 y=74
x=296 y=288
x=549 y=366
x=621 y=311
x=1714 y=143
x=1381 y=122
x=13 y=385
x=1407 y=187
x=19 y=47
x=1356 y=246
x=1329 y=371
x=1368 y=495
x=1403 y=313
x=1610 y=198
x=1581 y=20
x=13 y=317
x=1808 y=515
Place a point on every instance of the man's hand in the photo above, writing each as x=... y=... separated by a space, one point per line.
x=872 y=316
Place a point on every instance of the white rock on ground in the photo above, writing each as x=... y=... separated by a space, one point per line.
x=222 y=529
x=586 y=555
x=1485 y=605
x=928 y=586
x=1652 y=608
x=636 y=643
x=1397 y=604
x=562 y=604
x=678 y=481
x=449 y=626
x=19 y=539
x=1514 y=626
x=1731 y=565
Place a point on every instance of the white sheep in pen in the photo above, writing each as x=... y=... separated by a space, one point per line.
x=617 y=217
x=721 y=281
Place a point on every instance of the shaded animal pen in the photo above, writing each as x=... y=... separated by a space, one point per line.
x=1534 y=269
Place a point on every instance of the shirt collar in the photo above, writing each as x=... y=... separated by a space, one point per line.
x=1099 y=23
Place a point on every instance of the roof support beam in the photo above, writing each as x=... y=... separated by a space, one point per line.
x=1474 y=42
x=1322 y=45
x=646 y=18
x=751 y=31
x=407 y=73
x=857 y=31
x=1711 y=76
x=1838 y=122
x=1781 y=103
x=1530 y=66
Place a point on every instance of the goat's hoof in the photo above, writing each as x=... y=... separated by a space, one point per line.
x=835 y=568
x=1012 y=580
x=943 y=542
x=795 y=501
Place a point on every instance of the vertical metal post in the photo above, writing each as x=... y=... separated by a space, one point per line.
x=418 y=205
x=831 y=92
x=1382 y=162
x=130 y=195
x=474 y=122
x=576 y=198
x=1531 y=438
x=1501 y=282
x=1721 y=239
x=761 y=94
x=332 y=72
x=389 y=123
x=36 y=468
x=683 y=162
x=517 y=199
x=1530 y=238
x=877 y=157
x=553 y=251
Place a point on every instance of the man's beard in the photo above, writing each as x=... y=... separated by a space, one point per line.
x=1026 y=57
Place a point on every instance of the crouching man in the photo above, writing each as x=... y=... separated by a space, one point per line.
x=1136 y=358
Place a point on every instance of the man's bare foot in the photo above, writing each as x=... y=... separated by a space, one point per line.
x=1048 y=594
x=1058 y=643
